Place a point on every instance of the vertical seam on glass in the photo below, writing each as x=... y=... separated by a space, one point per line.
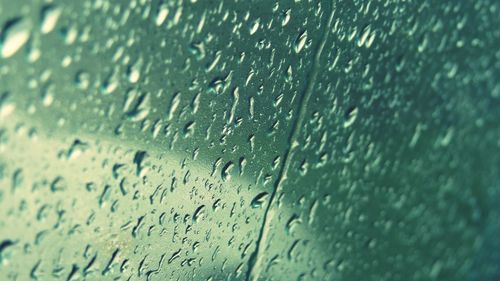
x=255 y=259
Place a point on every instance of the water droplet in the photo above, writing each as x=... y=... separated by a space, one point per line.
x=199 y=213
x=226 y=171
x=50 y=16
x=259 y=200
x=254 y=26
x=14 y=35
x=300 y=42
x=162 y=14
x=350 y=116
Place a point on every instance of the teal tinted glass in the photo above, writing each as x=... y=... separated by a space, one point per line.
x=249 y=140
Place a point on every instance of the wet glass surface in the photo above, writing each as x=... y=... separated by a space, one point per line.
x=249 y=140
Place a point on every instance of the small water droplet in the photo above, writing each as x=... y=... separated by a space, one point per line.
x=350 y=116
x=300 y=42
x=199 y=213
x=259 y=200
x=161 y=15
x=50 y=16
x=226 y=171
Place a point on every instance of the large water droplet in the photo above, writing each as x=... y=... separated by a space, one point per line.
x=15 y=34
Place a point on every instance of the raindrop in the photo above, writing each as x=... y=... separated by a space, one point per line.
x=50 y=16
x=15 y=33
x=350 y=116
x=300 y=42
